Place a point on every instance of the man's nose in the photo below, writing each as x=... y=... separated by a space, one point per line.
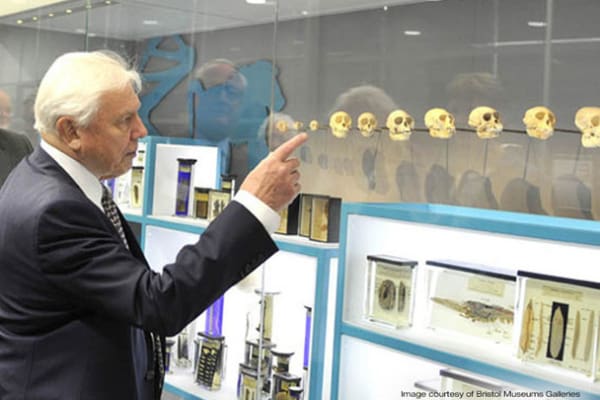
x=139 y=130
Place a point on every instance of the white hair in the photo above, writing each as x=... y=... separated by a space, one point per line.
x=359 y=99
x=74 y=83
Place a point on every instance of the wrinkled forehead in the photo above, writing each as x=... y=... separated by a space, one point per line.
x=219 y=74
x=5 y=102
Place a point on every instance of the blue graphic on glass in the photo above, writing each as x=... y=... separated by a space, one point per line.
x=164 y=81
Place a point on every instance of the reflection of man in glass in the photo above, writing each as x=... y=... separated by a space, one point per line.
x=215 y=99
x=5 y=110
x=469 y=90
x=13 y=146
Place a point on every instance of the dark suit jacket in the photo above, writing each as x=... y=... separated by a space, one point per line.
x=70 y=291
x=13 y=147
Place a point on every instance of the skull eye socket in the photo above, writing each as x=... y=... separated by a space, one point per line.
x=551 y=118
x=487 y=117
x=496 y=116
x=595 y=121
x=540 y=115
x=451 y=118
x=409 y=120
x=338 y=119
x=364 y=121
x=443 y=117
x=398 y=120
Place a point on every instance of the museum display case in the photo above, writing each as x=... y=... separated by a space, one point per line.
x=519 y=307
x=482 y=104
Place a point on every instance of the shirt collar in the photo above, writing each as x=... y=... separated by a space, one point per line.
x=87 y=182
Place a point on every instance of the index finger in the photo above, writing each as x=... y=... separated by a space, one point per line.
x=288 y=147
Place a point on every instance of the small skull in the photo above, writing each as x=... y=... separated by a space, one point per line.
x=486 y=121
x=298 y=125
x=313 y=125
x=281 y=126
x=539 y=122
x=367 y=123
x=440 y=123
x=587 y=119
x=340 y=123
x=400 y=125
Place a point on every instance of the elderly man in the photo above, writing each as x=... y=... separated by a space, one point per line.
x=5 y=110
x=81 y=314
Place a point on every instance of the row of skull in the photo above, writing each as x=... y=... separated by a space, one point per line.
x=539 y=123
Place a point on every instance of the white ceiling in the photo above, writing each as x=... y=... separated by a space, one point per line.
x=140 y=19
x=8 y=7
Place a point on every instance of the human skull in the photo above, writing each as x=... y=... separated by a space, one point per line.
x=486 y=122
x=539 y=122
x=367 y=123
x=440 y=123
x=587 y=119
x=313 y=125
x=340 y=123
x=400 y=125
x=298 y=125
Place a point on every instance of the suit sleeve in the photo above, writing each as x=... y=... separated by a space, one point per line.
x=82 y=257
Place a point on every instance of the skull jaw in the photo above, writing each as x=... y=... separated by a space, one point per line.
x=441 y=133
x=366 y=132
x=489 y=131
x=589 y=140
x=339 y=133
x=540 y=133
x=400 y=136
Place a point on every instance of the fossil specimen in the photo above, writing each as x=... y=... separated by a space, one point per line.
x=557 y=332
x=477 y=311
x=527 y=327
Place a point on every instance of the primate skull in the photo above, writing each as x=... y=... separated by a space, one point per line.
x=539 y=122
x=400 y=125
x=367 y=123
x=587 y=119
x=486 y=122
x=340 y=123
x=298 y=125
x=440 y=123
x=281 y=126
x=313 y=125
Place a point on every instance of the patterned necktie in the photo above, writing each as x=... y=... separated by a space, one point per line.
x=110 y=209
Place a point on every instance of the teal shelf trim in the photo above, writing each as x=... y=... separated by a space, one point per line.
x=134 y=218
x=339 y=302
x=150 y=221
x=181 y=393
x=306 y=249
x=505 y=222
x=453 y=360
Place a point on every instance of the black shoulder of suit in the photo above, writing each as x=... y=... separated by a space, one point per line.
x=16 y=142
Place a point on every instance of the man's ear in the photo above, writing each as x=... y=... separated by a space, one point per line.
x=67 y=132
